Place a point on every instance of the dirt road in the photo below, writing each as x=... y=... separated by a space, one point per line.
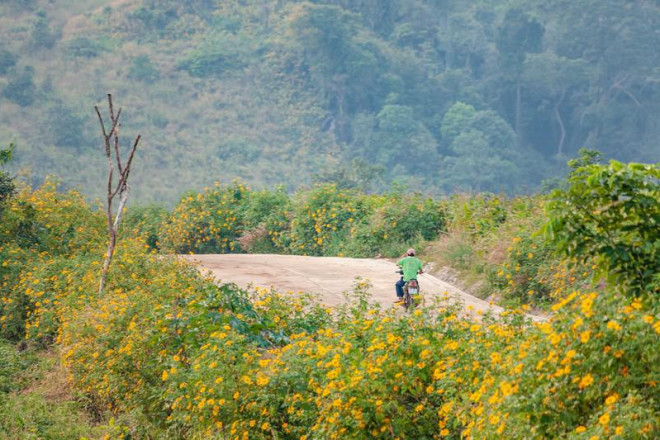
x=329 y=277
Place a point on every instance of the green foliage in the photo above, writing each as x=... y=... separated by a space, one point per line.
x=359 y=174
x=207 y=222
x=7 y=185
x=395 y=224
x=65 y=126
x=34 y=401
x=146 y=222
x=143 y=69
x=323 y=219
x=610 y=216
x=482 y=149
x=270 y=92
x=21 y=88
x=84 y=47
x=267 y=216
x=588 y=372
x=41 y=34
x=217 y=53
x=12 y=363
x=42 y=232
x=403 y=141
x=174 y=354
x=478 y=215
x=532 y=275
x=7 y=61
x=518 y=35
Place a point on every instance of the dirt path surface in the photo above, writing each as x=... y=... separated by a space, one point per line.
x=329 y=277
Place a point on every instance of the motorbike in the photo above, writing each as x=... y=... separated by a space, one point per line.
x=411 y=293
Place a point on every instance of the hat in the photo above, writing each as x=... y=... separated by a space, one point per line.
x=411 y=252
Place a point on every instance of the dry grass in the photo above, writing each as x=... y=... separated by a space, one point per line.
x=53 y=385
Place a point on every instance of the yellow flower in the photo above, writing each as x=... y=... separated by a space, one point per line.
x=612 y=399
x=584 y=336
x=613 y=325
x=604 y=419
x=580 y=429
x=586 y=381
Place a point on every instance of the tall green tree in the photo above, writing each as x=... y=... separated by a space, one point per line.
x=21 y=88
x=518 y=35
x=555 y=85
x=395 y=139
x=618 y=43
x=482 y=153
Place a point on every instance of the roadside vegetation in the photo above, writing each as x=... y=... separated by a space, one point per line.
x=165 y=352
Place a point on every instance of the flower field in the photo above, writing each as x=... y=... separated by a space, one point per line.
x=166 y=353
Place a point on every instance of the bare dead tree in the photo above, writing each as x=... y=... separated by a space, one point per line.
x=121 y=188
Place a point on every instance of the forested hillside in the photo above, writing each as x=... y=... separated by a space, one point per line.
x=439 y=95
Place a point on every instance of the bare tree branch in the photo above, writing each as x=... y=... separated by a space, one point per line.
x=111 y=142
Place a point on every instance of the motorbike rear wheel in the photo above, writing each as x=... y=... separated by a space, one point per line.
x=408 y=300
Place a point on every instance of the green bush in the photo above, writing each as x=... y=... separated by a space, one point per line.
x=146 y=222
x=478 y=215
x=207 y=222
x=266 y=216
x=323 y=218
x=7 y=186
x=590 y=372
x=609 y=216
x=42 y=230
x=396 y=223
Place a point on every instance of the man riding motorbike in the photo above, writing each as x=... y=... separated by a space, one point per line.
x=410 y=266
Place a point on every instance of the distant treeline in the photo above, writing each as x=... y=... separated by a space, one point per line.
x=443 y=96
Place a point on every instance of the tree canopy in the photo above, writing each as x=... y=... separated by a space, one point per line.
x=272 y=92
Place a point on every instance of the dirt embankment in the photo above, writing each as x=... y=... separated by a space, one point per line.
x=328 y=277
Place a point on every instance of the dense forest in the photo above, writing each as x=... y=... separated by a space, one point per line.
x=437 y=96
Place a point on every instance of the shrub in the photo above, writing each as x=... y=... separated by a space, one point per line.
x=7 y=185
x=590 y=372
x=532 y=274
x=146 y=222
x=42 y=231
x=396 y=223
x=609 y=217
x=478 y=215
x=323 y=218
x=207 y=222
x=267 y=218
x=217 y=53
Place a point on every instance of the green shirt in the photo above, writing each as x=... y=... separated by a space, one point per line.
x=411 y=266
